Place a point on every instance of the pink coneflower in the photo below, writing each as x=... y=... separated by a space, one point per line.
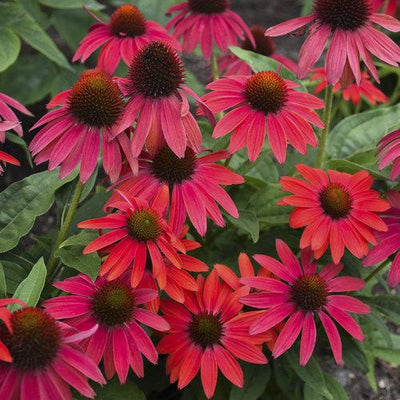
x=209 y=333
x=355 y=93
x=306 y=294
x=75 y=131
x=114 y=308
x=388 y=152
x=46 y=359
x=391 y=8
x=229 y=64
x=264 y=103
x=8 y=119
x=339 y=210
x=5 y=318
x=136 y=230
x=207 y=23
x=194 y=181
x=125 y=34
x=157 y=102
x=349 y=25
x=388 y=242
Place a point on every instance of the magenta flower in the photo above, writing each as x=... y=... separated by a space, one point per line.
x=388 y=242
x=229 y=64
x=194 y=181
x=157 y=102
x=125 y=34
x=349 y=25
x=75 y=131
x=112 y=310
x=260 y=104
x=301 y=295
x=389 y=152
x=46 y=359
x=207 y=23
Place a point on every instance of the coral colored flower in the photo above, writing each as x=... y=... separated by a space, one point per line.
x=260 y=104
x=349 y=25
x=194 y=181
x=355 y=93
x=231 y=65
x=125 y=34
x=388 y=152
x=5 y=318
x=157 y=102
x=339 y=210
x=74 y=132
x=114 y=308
x=209 y=333
x=300 y=296
x=137 y=229
x=391 y=9
x=46 y=359
x=8 y=119
x=388 y=242
x=7 y=158
x=207 y=23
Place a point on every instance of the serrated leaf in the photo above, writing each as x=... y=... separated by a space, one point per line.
x=256 y=378
x=31 y=287
x=23 y=201
x=361 y=132
x=10 y=45
x=248 y=222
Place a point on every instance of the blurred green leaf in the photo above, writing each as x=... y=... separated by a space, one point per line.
x=67 y=4
x=256 y=378
x=22 y=144
x=31 y=287
x=351 y=168
x=248 y=222
x=10 y=45
x=335 y=388
x=3 y=283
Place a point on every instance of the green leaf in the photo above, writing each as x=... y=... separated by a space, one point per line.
x=256 y=378
x=248 y=222
x=33 y=34
x=260 y=63
x=387 y=305
x=361 y=132
x=311 y=374
x=41 y=73
x=335 y=388
x=3 y=283
x=351 y=168
x=67 y=4
x=115 y=391
x=30 y=289
x=10 y=45
x=13 y=138
x=14 y=275
x=23 y=201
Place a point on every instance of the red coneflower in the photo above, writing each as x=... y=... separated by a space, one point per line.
x=389 y=152
x=354 y=92
x=207 y=23
x=157 y=102
x=125 y=34
x=46 y=359
x=194 y=181
x=339 y=210
x=349 y=24
x=231 y=65
x=113 y=311
x=300 y=294
x=137 y=229
x=74 y=131
x=264 y=103
x=388 y=242
x=209 y=333
x=7 y=158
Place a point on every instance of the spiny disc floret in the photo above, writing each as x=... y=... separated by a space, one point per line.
x=95 y=100
x=156 y=71
x=169 y=168
x=113 y=304
x=266 y=92
x=335 y=201
x=127 y=20
x=35 y=341
x=144 y=225
x=309 y=292
x=208 y=6
x=348 y=15
x=205 y=329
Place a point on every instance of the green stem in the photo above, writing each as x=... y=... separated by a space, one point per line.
x=327 y=122
x=214 y=66
x=378 y=269
x=52 y=265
